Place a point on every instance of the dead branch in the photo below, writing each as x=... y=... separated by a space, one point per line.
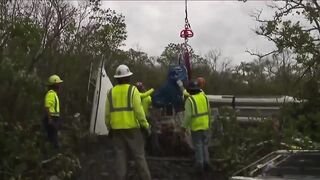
x=260 y=56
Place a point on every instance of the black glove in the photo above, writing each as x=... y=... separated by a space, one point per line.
x=146 y=131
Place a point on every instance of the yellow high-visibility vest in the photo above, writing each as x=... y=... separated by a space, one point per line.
x=185 y=93
x=200 y=118
x=51 y=101
x=146 y=102
x=121 y=107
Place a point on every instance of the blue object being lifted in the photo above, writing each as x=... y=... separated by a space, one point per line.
x=170 y=95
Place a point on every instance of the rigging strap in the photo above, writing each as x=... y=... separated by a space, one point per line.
x=186 y=33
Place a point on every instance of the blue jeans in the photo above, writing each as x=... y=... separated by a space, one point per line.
x=200 y=140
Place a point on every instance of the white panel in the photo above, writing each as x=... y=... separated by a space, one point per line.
x=103 y=84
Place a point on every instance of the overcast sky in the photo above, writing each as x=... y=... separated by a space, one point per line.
x=224 y=25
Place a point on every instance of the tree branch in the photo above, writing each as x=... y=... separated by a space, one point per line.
x=315 y=2
x=311 y=29
x=315 y=20
x=260 y=56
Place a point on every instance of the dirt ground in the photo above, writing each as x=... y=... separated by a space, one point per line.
x=97 y=164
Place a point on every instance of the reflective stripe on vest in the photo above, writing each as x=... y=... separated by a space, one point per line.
x=121 y=107
x=195 y=108
x=56 y=101
x=56 y=113
x=129 y=103
x=200 y=117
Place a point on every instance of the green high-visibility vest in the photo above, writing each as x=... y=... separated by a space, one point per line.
x=200 y=118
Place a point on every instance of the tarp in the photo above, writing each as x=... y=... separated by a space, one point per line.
x=170 y=95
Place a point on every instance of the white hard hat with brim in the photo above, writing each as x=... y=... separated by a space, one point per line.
x=122 y=71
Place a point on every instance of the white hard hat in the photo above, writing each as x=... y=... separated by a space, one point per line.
x=122 y=71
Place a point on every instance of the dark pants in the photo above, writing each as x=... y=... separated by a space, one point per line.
x=152 y=142
x=52 y=130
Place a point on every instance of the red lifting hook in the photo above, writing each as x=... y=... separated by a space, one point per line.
x=186 y=33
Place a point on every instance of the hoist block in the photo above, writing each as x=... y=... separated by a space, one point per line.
x=186 y=33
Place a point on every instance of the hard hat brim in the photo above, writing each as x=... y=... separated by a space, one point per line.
x=123 y=75
x=194 y=88
x=58 y=82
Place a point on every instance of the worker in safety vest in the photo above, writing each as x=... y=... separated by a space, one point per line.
x=197 y=119
x=145 y=97
x=52 y=110
x=152 y=143
x=124 y=118
x=201 y=82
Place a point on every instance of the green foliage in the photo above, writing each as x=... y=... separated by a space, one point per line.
x=304 y=119
x=19 y=90
x=40 y=38
x=299 y=35
x=58 y=38
x=23 y=154
x=170 y=55
x=240 y=144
